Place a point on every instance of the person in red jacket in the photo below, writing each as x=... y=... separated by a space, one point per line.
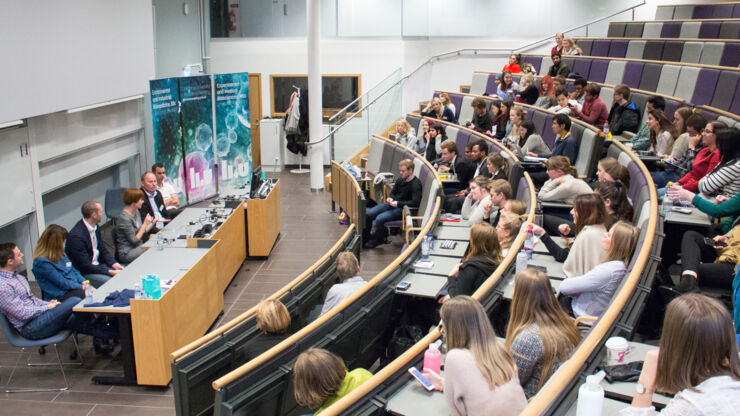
x=558 y=43
x=513 y=65
x=706 y=159
x=594 y=109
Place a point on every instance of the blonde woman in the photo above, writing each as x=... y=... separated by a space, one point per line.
x=498 y=166
x=507 y=229
x=540 y=335
x=437 y=110
x=529 y=92
x=472 y=208
x=697 y=361
x=484 y=255
x=273 y=320
x=479 y=372
x=405 y=135
x=564 y=184
x=570 y=47
x=592 y=292
x=320 y=378
x=447 y=102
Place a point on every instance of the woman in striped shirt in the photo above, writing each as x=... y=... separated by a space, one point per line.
x=724 y=179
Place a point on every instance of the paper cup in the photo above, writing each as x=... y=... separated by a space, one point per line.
x=616 y=350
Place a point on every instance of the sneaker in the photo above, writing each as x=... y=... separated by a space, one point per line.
x=688 y=284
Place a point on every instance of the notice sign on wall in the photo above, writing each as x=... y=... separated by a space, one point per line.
x=233 y=131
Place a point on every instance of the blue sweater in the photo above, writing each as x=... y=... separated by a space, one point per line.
x=56 y=279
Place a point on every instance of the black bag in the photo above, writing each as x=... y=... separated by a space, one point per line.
x=623 y=372
x=404 y=337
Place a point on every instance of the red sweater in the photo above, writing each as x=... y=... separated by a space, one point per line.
x=704 y=162
x=514 y=69
x=594 y=112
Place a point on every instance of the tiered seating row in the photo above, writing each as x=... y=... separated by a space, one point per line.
x=698 y=11
x=693 y=29
x=696 y=51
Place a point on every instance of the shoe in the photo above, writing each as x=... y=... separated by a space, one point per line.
x=370 y=244
x=101 y=346
x=688 y=284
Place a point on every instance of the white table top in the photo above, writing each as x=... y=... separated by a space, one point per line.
x=610 y=407
x=626 y=390
x=696 y=217
x=423 y=285
x=442 y=265
x=444 y=232
x=458 y=251
x=414 y=400
x=177 y=227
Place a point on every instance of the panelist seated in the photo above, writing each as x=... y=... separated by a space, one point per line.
x=462 y=168
x=153 y=204
x=131 y=231
x=350 y=281
x=167 y=189
x=54 y=272
x=86 y=250
x=273 y=320
x=35 y=318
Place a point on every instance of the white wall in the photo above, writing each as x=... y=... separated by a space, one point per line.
x=59 y=55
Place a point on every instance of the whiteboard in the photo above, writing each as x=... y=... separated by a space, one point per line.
x=58 y=55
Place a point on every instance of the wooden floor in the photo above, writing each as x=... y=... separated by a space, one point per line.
x=309 y=229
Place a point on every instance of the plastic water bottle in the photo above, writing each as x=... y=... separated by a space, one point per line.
x=522 y=259
x=667 y=201
x=529 y=244
x=606 y=131
x=138 y=294
x=160 y=241
x=433 y=358
x=425 y=247
x=591 y=396
x=189 y=230
x=88 y=292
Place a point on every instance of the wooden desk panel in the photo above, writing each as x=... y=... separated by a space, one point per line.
x=263 y=219
x=233 y=250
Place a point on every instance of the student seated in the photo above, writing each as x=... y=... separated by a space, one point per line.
x=424 y=138
x=503 y=128
x=609 y=170
x=437 y=110
x=438 y=136
x=570 y=47
x=547 y=93
x=564 y=184
x=484 y=255
x=405 y=135
x=53 y=270
x=724 y=179
x=445 y=98
x=706 y=159
x=458 y=166
x=565 y=105
x=593 y=110
x=558 y=67
x=675 y=166
x=591 y=221
x=526 y=140
x=131 y=231
x=479 y=372
x=513 y=65
x=472 y=208
x=497 y=166
x=500 y=192
x=697 y=361
x=273 y=320
x=614 y=195
x=579 y=91
x=681 y=144
x=565 y=143
x=624 y=114
x=662 y=133
x=507 y=87
x=482 y=120
x=515 y=206
x=508 y=228
x=641 y=140
x=540 y=335
x=592 y=292
x=529 y=92
x=709 y=263
x=320 y=378
x=350 y=281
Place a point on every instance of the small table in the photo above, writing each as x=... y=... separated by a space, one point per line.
x=541 y=248
x=442 y=266
x=413 y=399
x=554 y=267
x=445 y=232
x=446 y=177
x=696 y=218
x=509 y=286
x=611 y=407
x=626 y=390
x=459 y=251
x=423 y=285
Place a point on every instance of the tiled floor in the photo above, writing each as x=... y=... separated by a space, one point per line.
x=308 y=230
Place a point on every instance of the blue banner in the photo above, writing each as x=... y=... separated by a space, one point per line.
x=196 y=106
x=233 y=131
x=167 y=130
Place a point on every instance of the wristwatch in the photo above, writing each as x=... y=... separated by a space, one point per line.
x=640 y=389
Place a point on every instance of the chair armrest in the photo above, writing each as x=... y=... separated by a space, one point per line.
x=556 y=205
x=586 y=319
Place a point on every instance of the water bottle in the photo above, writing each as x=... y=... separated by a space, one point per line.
x=160 y=241
x=667 y=201
x=189 y=230
x=433 y=358
x=522 y=259
x=138 y=294
x=88 y=292
x=425 y=248
x=591 y=396
x=529 y=244
x=606 y=131
x=431 y=242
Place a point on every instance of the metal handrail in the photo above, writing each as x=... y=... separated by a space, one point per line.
x=457 y=53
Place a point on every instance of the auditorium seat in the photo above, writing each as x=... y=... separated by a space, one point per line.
x=633 y=30
x=635 y=49
x=491 y=85
x=616 y=30
x=585 y=46
x=607 y=95
x=729 y=30
x=545 y=65
x=650 y=76
x=668 y=79
x=731 y=55
x=598 y=70
x=618 y=48
x=664 y=12
x=548 y=136
x=683 y=12
x=652 y=30
x=690 y=30
x=725 y=89
x=600 y=48
x=581 y=66
x=709 y=30
x=706 y=82
x=653 y=50
x=692 y=52
x=686 y=83
x=672 y=51
x=465 y=112
x=632 y=74
x=539 y=119
x=478 y=85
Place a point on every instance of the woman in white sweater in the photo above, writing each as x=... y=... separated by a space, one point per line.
x=591 y=220
x=477 y=198
x=662 y=133
x=563 y=185
x=479 y=372
x=592 y=292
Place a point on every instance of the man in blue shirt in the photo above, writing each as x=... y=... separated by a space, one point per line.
x=565 y=145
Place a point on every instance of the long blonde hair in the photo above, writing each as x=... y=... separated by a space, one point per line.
x=484 y=242
x=624 y=241
x=512 y=223
x=534 y=303
x=51 y=243
x=467 y=326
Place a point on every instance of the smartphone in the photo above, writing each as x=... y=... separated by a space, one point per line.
x=682 y=210
x=421 y=379
x=710 y=242
x=403 y=285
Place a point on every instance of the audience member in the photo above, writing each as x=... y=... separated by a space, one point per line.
x=458 y=166
x=564 y=184
x=564 y=104
x=153 y=201
x=558 y=48
x=131 y=230
x=350 y=281
x=482 y=119
x=500 y=192
x=614 y=195
x=594 y=109
x=710 y=264
x=558 y=82
x=529 y=92
x=445 y=98
x=641 y=140
x=706 y=159
x=497 y=166
x=592 y=292
x=547 y=93
x=624 y=115
x=681 y=144
x=697 y=362
x=540 y=335
x=729 y=209
x=724 y=179
x=674 y=169
x=662 y=133
x=565 y=144
x=495 y=109
x=591 y=220
x=406 y=192
x=579 y=90
x=424 y=138
x=516 y=117
x=528 y=141
x=504 y=125
x=513 y=65
x=484 y=255
x=405 y=135
x=558 y=67
x=435 y=109
x=478 y=155
x=273 y=320
x=472 y=207
x=320 y=378
x=56 y=276
x=609 y=170
x=85 y=247
x=507 y=229
x=570 y=47
x=515 y=206
x=507 y=87
x=478 y=369
x=167 y=189
x=34 y=318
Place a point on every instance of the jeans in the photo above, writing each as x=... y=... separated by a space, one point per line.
x=661 y=178
x=698 y=257
x=378 y=216
x=97 y=280
x=61 y=317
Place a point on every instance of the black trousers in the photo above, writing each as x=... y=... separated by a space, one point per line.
x=698 y=257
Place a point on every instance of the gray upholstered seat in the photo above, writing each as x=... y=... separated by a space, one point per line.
x=725 y=90
x=545 y=66
x=690 y=30
x=478 y=85
x=692 y=52
x=616 y=30
x=652 y=29
x=615 y=73
x=635 y=49
x=683 y=12
x=686 y=83
x=633 y=30
x=465 y=111
x=668 y=79
x=664 y=12
x=711 y=53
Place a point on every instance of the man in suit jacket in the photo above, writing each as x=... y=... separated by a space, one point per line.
x=478 y=154
x=153 y=201
x=86 y=250
x=458 y=166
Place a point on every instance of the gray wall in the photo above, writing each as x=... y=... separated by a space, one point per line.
x=176 y=36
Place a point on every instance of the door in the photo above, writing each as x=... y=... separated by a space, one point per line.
x=255 y=115
x=15 y=164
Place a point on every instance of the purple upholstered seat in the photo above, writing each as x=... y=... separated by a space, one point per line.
x=618 y=48
x=670 y=107
x=735 y=109
x=581 y=66
x=585 y=45
x=600 y=48
x=671 y=30
x=702 y=11
x=522 y=189
x=632 y=74
x=462 y=139
x=635 y=255
x=491 y=85
x=731 y=55
x=598 y=70
x=456 y=99
x=736 y=11
x=536 y=61
x=709 y=30
x=637 y=181
x=548 y=136
x=705 y=83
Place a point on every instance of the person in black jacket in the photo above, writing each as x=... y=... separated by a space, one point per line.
x=463 y=168
x=406 y=192
x=558 y=67
x=273 y=320
x=624 y=115
x=86 y=250
x=153 y=202
x=484 y=255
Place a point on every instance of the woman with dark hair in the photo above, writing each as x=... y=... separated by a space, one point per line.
x=434 y=147
x=496 y=115
x=697 y=362
x=591 y=220
x=614 y=195
x=513 y=65
x=540 y=335
x=709 y=265
x=131 y=231
x=681 y=144
x=507 y=88
x=504 y=126
x=484 y=255
x=724 y=179
x=528 y=141
x=53 y=270
x=609 y=170
x=662 y=133
x=707 y=158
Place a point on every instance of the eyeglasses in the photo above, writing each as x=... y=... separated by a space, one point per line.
x=705 y=131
